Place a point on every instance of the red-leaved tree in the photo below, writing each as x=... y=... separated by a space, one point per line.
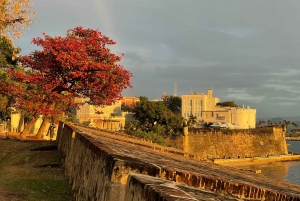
x=77 y=65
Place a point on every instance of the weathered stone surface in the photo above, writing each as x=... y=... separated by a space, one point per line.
x=146 y=188
x=222 y=143
x=99 y=163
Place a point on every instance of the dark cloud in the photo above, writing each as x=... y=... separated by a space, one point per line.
x=247 y=50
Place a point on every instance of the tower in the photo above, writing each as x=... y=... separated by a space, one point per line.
x=175 y=89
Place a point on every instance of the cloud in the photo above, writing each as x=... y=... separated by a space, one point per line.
x=247 y=50
x=287 y=104
x=243 y=95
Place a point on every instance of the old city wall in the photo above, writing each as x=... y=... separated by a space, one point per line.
x=223 y=143
x=112 y=166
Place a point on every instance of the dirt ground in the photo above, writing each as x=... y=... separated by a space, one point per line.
x=32 y=171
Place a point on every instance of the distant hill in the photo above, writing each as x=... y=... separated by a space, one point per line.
x=278 y=119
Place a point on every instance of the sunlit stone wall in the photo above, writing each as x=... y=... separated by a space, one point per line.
x=223 y=143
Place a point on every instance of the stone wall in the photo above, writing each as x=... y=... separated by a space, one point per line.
x=223 y=143
x=108 y=166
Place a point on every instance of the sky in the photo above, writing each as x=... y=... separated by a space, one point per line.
x=247 y=51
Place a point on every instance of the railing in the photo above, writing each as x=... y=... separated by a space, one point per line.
x=220 y=118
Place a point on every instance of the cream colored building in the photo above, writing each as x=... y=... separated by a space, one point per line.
x=204 y=107
x=17 y=125
x=106 y=117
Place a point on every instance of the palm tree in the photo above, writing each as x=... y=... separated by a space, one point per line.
x=192 y=120
x=294 y=124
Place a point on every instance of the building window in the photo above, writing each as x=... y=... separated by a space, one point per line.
x=212 y=114
x=191 y=102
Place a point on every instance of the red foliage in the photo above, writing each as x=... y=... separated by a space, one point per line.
x=78 y=65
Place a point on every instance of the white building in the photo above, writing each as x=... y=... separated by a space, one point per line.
x=107 y=116
x=204 y=107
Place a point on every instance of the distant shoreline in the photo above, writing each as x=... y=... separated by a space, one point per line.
x=256 y=160
x=292 y=138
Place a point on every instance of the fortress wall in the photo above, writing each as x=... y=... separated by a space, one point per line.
x=104 y=166
x=223 y=143
x=94 y=171
x=220 y=143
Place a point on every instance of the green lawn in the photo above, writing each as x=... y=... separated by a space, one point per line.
x=32 y=171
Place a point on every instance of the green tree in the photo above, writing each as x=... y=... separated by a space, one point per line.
x=192 y=120
x=150 y=114
x=294 y=124
x=126 y=108
x=7 y=52
x=173 y=103
x=154 y=137
x=143 y=99
x=227 y=104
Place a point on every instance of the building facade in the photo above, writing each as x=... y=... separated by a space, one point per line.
x=130 y=101
x=106 y=117
x=204 y=107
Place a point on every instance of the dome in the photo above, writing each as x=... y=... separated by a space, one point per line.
x=164 y=96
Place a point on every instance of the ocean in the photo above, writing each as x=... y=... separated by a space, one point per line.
x=289 y=171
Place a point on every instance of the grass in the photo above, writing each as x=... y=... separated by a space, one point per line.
x=32 y=171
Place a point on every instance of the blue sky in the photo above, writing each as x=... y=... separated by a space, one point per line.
x=247 y=50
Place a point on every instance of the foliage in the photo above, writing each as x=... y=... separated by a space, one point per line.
x=131 y=126
x=227 y=104
x=154 y=137
x=78 y=65
x=86 y=123
x=143 y=99
x=4 y=107
x=15 y=17
x=173 y=103
x=294 y=124
x=71 y=119
x=192 y=120
x=159 y=129
x=260 y=122
x=151 y=114
x=7 y=52
x=126 y=108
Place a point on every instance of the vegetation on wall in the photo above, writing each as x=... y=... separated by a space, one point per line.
x=227 y=104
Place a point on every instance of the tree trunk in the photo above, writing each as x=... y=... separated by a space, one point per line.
x=28 y=127
x=42 y=128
